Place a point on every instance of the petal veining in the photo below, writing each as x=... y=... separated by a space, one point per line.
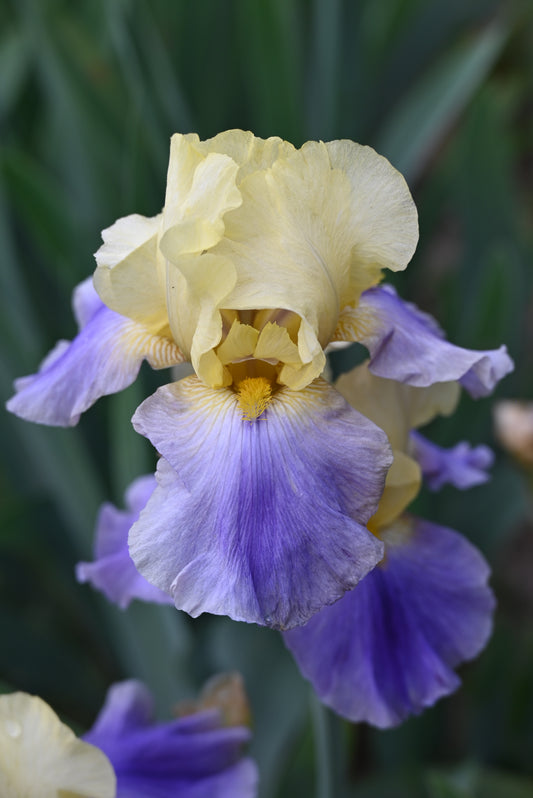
x=260 y=520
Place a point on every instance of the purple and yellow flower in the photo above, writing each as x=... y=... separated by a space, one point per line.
x=126 y=754
x=262 y=256
x=389 y=647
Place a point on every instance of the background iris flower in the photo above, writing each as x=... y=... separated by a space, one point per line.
x=126 y=754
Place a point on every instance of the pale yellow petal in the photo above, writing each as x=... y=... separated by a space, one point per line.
x=201 y=189
x=239 y=344
x=383 y=217
x=40 y=757
x=130 y=275
x=196 y=289
x=395 y=407
x=401 y=486
x=250 y=152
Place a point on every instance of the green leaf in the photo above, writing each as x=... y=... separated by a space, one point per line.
x=420 y=121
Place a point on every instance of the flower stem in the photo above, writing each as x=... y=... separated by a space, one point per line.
x=328 y=735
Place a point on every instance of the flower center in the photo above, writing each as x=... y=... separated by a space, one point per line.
x=258 y=343
x=254 y=395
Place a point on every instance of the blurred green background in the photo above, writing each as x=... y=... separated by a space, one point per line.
x=90 y=93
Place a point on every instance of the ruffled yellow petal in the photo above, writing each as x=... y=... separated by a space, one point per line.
x=383 y=220
x=395 y=407
x=130 y=276
x=40 y=757
x=200 y=190
x=287 y=239
x=248 y=151
x=401 y=486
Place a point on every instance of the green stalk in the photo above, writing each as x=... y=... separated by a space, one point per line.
x=329 y=751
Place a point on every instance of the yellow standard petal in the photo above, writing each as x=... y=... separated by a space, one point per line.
x=268 y=233
x=130 y=276
x=383 y=218
x=200 y=190
x=40 y=757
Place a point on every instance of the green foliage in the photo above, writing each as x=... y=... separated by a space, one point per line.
x=91 y=93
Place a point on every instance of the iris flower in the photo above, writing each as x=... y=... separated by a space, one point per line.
x=389 y=647
x=262 y=256
x=125 y=754
x=112 y=571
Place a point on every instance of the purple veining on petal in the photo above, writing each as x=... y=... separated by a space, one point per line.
x=105 y=357
x=113 y=571
x=463 y=466
x=263 y=521
x=193 y=757
x=407 y=345
x=387 y=649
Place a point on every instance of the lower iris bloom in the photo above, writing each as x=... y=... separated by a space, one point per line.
x=389 y=647
x=263 y=256
x=125 y=754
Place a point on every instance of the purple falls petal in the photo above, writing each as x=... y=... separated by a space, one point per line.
x=388 y=648
x=113 y=571
x=105 y=357
x=407 y=345
x=463 y=466
x=260 y=520
x=193 y=757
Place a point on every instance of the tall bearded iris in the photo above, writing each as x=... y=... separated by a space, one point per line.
x=262 y=256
